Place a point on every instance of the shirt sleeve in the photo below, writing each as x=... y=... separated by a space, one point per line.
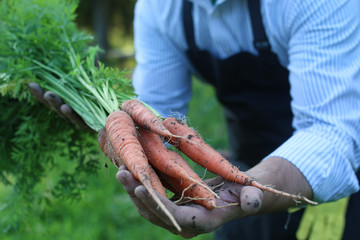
x=161 y=77
x=324 y=65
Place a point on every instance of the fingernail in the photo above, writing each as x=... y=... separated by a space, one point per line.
x=66 y=109
x=141 y=192
x=52 y=95
x=122 y=176
x=122 y=167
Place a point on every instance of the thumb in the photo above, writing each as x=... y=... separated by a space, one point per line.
x=251 y=199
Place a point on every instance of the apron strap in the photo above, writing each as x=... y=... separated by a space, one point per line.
x=261 y=42
x=188 y=25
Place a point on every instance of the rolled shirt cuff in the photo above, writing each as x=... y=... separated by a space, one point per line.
x=329 y=173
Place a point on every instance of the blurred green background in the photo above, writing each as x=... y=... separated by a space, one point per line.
x=105 y=211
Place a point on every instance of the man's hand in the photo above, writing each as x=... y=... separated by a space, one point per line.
x=193 y=218
x=54 y=102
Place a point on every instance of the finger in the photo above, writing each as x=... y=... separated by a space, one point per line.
x=251 y=199
x=158 y=216
x=123 y=167
x=193 y=218
x=54 y=101
x=38 y=93
x=318 y=229
x=130 y=184
x=216 y=181
x=306 y=224
x=127 y=180
x=74 y=118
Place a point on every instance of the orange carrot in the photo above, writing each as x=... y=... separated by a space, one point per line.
x=192 y=145
x=108 y=149
x=144 y=117
x=102 y=141
x=171 y=164
x=122 y=136
x=189 y=190
x=156 y=183
x=205 y=198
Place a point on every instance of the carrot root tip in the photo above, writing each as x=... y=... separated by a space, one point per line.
x=228 y=205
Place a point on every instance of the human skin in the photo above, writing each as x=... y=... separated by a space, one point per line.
x=53 y=101
x=195 y=219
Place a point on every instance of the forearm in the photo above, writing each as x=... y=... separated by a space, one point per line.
x=282 y=175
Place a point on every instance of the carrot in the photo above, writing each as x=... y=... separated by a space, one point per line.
x=203 y=154
x=144 y=117
x=108 y=149
x=189 y=190
x=102 y=141
x=122 y=136
x=156 y=183
x=171 y=164
x=194 y=192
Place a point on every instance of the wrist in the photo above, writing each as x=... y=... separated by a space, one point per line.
x=281 y=175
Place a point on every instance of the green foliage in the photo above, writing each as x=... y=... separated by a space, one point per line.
x=34 y=141
x=44 y=161
x=206 y=115
x=105 y=210
x=31 y=30
x=40 y=42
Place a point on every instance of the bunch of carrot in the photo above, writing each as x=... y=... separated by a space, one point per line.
x=135 y=138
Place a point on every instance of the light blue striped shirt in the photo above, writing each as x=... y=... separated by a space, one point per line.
x=317 y=40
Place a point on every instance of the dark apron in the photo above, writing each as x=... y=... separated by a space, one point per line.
x=254 y=91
